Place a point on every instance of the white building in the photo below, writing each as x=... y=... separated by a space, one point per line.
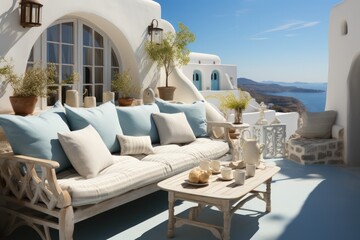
x=344 y=74
x=208 y=73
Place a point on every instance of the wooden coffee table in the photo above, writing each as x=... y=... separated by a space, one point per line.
x=225 y=195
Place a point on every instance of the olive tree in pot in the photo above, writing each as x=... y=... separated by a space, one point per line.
x=171 y=52
x=122 y=84
x=28 y=87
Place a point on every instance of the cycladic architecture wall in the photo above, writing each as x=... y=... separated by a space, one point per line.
x=123 y=22
x=208 y=73
x=344 y=74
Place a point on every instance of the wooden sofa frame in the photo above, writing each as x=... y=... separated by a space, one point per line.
x=36 y=200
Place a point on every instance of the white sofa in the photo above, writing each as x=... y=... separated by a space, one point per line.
x=32 y=184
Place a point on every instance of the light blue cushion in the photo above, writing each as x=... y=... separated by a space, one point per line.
x=36 y=136
x=195 y=114
x=137 y=121
x=103 y=118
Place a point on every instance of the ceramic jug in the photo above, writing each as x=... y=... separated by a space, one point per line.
x=252 y=150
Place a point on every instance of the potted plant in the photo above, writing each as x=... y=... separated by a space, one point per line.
x=171 y=52
x=230 y=101
x=28 y=87
x=122 y=83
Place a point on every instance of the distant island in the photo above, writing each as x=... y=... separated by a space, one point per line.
x=262 y=93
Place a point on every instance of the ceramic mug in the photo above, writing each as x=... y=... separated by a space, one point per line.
x=239 y=176
x=215 y=165
x=250 y=170
x=226 y=173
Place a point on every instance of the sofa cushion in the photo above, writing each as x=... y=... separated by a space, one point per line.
x=103 y=118
x=195 y=114
x=36 y=136
x=137 y=121
x=317 y=124
x=173 y=128
x=205 y=148
x=131 y=145
x=126 y=174
x=86 y=151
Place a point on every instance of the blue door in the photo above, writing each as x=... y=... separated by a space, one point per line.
x=197 y=80
x=215 y=80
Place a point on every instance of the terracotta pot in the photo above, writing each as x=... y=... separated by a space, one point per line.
x=125 y=101
x=23 y=105
x=166 y=93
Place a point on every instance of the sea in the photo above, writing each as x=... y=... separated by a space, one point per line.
x=314 y=102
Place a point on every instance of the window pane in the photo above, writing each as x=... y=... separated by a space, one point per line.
x=87 y=55
x=99 y=42
x=53 y=52
x=99 y=77
x=53 y=33
x=87 y=75
x=113 y=72
x=53 y=95
x=87 y=90
x=67 y=54
x=87 y=36
x=99 y=57
x=114 y=60
x=67 y=32
x=99 y=93
x=66 y=73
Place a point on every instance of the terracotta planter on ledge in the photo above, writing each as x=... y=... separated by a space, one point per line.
x=166 y=93
x=125 y=101
x=23 y=105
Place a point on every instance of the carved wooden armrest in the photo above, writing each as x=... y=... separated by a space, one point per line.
x=19 y=178
x=227 y=126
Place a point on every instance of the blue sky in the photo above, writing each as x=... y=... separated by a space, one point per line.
x=278 y=40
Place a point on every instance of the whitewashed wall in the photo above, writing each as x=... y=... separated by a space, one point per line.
x=344 y=74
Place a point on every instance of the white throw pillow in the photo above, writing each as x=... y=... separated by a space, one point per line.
x=135 y=145
x=86 y=151
x=317 y=124
x=173 y=128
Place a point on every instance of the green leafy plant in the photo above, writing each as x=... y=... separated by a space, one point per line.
x=122 y=83
x=172 y=51
x=230 y=101
x=34 y=82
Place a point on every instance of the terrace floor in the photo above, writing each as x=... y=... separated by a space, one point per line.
x=308 y=202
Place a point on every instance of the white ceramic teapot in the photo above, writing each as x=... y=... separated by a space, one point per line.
x=252 y=150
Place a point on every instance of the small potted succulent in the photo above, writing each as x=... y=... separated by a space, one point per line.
x=28 y=87
x=122 y=84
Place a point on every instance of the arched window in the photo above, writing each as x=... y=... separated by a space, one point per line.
x=75 y=46
x=197 y=79
x=215 y=80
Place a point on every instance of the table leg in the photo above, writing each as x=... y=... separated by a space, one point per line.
x=268 y=195
x=227 y=221
x=171 y=222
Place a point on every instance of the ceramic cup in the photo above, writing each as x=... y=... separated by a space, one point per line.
x=239 y=176
x=204 y=165
x=215 y=165
x=226 y=173
x=250 y=170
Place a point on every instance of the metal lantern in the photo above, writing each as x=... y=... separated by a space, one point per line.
x=155 y=32
x=30 y=13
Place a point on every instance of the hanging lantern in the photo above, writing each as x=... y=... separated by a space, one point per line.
x=30 y=13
